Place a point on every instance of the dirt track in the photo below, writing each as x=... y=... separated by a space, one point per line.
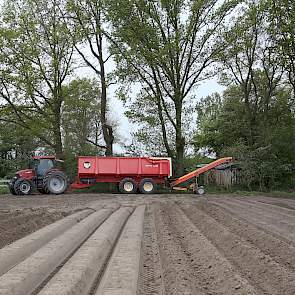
x=160 y=244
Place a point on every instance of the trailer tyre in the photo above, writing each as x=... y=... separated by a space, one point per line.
x=55 y=183
x=23 y=187
x=127 y=186
x=147 y=186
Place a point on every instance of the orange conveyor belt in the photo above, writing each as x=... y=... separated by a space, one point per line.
x=201 y=170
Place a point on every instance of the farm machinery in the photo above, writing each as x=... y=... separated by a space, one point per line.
x=43 y=175
x=131 y=174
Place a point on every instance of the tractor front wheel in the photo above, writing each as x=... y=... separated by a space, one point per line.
x=55 y=183
x=23 y=187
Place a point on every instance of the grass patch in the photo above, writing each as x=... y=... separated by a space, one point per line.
x=238 y=192
x=273 y=194
x=4 y=190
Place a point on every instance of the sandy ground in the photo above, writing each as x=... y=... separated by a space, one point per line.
x=190 y=245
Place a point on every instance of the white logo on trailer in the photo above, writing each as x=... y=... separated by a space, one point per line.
x=87 y=165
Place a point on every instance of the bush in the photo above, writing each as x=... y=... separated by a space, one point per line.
x=261 y=168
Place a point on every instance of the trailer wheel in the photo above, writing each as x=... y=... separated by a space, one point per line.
x=23 y=187
x=55 y=183
x=127 y=186
x=147 y=186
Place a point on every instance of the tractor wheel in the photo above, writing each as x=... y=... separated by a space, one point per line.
x=55 y=183
x=127 y=186
x=147 y=186
x=23 y=187
x=11 y=187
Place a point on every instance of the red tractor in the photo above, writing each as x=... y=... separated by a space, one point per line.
x=42 y=175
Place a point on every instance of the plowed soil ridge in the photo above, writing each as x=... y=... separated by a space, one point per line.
x=269 y=209
x=279 y=248
x=273 y=222
x=151 y=276
x=264 y=272
x=194 y=266
x=210 y=245
x=18 y=224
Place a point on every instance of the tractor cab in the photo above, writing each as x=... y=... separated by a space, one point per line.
x=41 y=165
x=43 y=174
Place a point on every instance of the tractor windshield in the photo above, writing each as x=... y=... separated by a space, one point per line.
x=43 y=165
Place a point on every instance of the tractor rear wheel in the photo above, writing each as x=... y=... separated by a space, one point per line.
x=147 y=186
x=23 y=187
x=127 y=186
x=11 y=187
x=55 y=183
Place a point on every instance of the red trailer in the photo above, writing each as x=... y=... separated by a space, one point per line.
x=133 y=173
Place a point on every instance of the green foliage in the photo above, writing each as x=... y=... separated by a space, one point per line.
x=261 y=168
x=4 y=190
x=224 y=130
x=254 y=118
x=81 y=116
x=281 y=16
x=81 y=122
x=36 y=58
x=89 y=27
x=167 y=47
x=16 y=147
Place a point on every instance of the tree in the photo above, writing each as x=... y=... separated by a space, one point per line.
x=282 y=28
x=208 y=135
x=81 y=118
x=148 y=139
x=16 y=147
x=223 y=129
x=87 y=22
x=36 y=59
x=167 y=47
x=249 y=60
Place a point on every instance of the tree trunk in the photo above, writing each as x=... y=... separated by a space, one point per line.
x=58 y=148
x=179 y=140
x=163 y=128
x=57 y=143
x=179 y=169
x=107 y=130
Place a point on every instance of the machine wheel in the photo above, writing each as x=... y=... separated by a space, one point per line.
x=200 y=190
x=23 y=187
x=147 y=186
x=55 y=183
x=127 y=186
x=11 y=189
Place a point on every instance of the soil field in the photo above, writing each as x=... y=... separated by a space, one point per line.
x=157 y=244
